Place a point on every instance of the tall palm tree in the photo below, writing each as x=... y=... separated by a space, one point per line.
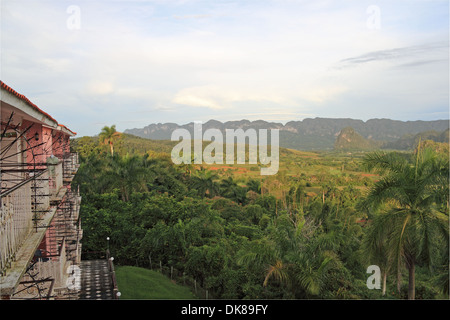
x=411 y=225
x=109 y=135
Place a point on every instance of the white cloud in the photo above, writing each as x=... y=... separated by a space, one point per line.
x=100 y=88
x=227 y=57
x=226 y=96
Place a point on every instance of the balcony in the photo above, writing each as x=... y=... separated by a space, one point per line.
x=27 y=211
x=46 y=277
x=22 y=229
x=16 y=222
x=70 y=166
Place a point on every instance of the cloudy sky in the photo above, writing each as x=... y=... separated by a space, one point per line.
x=133 y=63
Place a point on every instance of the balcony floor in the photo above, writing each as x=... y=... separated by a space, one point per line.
x=96 y=283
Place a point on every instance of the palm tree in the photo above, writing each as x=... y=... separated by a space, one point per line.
x=254 y=185
x=314 y=271
x=204 y=182
x=410 y=226
x=303 y=270
x=374 y=246
x=277 y=271
x=108 y=135
x=90 y=176
x=228 y=187
x=128 y=174
x=231 y=190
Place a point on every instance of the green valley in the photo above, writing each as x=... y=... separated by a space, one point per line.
x=309 y=232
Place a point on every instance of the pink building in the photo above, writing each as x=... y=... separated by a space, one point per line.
x=40 y=229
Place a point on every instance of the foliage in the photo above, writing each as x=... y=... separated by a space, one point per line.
x=311 y=231
x=412 y=229
x=108 y=136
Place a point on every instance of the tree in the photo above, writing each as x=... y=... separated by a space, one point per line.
x=127 y=174
x=254 y=185
x=260 y=257
x=277 y=271
x=374 y=246
x=410 y=225
x=109 y=135
x=314 y=271
x=204 y=182
x=230 y=189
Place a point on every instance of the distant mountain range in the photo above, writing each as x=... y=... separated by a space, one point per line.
x=324 y=133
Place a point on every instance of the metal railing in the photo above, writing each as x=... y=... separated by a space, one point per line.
x=40 y=193
x=36 y=282
x=70 y=165
x=22 y=206
x=16 y=221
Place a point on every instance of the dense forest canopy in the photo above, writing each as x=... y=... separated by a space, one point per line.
x=311 y=231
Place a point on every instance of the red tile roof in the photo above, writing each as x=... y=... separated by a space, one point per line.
x=63 y=126
x=31 y=104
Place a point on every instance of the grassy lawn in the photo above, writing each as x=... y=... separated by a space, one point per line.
x=138 y=283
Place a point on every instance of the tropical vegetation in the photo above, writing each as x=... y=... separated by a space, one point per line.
x=309 y=232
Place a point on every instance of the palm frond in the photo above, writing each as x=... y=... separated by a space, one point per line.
x=385 y=161
x=277 y=271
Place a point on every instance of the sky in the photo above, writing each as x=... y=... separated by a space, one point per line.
x=91 y=64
